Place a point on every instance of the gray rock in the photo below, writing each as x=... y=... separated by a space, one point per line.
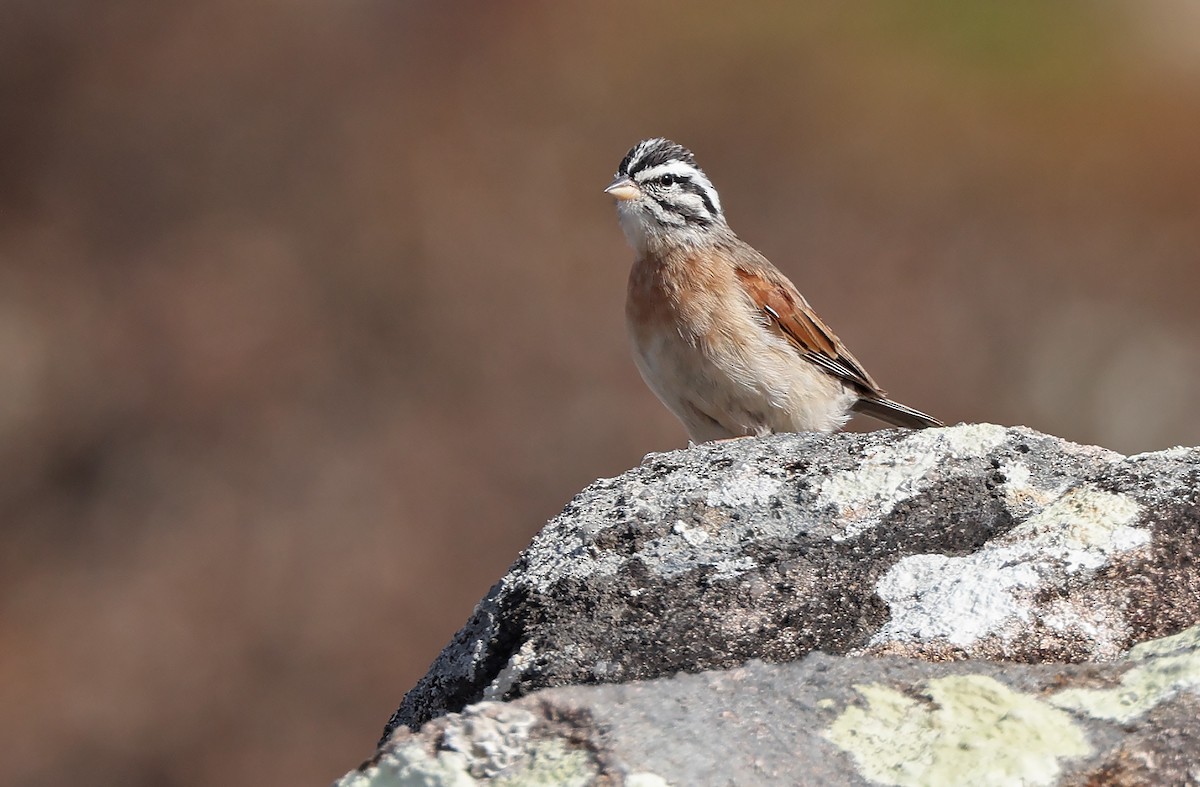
x=974 y=543
x=831 y=720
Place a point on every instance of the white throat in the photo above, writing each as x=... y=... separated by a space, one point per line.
x=644 y=232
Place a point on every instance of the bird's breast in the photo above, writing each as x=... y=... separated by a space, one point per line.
x=701 y=346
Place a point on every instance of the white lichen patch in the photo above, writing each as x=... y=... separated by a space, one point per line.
x=974 y=730
x=1177 y=453
x=491 y=739
x=488 y=743
x=1021 y=495
x=952 y=599
x=1164 y=668
x=961 y=599
x=1017 y=477
x=967 y=440
x=733 y=567
x=412 y=766
x=743 y=485
x=558 y=554
x=518 y=664
x=1082 y=528
x=645 y=779
x=864 y=495
x=694 y=536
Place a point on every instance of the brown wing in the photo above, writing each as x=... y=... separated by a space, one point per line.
x=789 y=313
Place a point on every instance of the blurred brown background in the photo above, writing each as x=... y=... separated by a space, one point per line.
x=311 y=313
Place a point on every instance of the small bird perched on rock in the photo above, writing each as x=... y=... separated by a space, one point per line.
x=727 y=343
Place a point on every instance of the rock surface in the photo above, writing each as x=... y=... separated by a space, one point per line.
x=830 y=720
x=973 y=543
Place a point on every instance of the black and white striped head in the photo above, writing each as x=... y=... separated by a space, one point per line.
x=663 y=196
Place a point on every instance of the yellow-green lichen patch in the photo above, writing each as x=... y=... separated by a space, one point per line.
x=1186 y=640
x=975 y=730
x=546 y=763
x=411 y=766
x=1165 y=667
x=550 y=763
x=1084 y=527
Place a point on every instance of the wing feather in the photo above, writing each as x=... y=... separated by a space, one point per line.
x=788 y=312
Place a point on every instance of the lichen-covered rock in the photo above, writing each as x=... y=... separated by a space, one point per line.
x=973 y=541
x=831 y=720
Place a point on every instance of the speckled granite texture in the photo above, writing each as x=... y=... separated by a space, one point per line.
x=892 y=552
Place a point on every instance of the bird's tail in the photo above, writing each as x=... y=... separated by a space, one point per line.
x=896 y=414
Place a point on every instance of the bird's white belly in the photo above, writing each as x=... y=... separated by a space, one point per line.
x=723 y=388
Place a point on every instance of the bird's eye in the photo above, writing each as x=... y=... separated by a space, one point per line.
x=669 y=180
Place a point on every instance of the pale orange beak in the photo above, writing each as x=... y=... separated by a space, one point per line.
x=623 y=188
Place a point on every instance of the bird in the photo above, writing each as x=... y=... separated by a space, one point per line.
x=723 y=339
